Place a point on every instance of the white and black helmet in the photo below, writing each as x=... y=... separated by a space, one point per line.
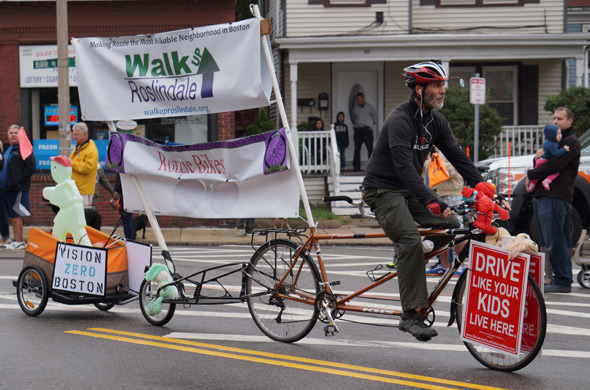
x=424 y=72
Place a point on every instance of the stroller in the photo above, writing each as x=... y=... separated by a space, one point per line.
x=582 y=258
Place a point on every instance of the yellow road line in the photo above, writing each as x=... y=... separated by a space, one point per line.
x=189 y=346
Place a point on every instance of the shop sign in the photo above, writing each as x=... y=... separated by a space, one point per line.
x=38 y=66
x=45 y=148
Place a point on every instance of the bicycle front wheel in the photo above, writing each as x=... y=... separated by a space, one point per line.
x=284 y=312
x=533 y=333
x=149 y=291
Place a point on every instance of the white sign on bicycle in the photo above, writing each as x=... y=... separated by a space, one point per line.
x=494 y=308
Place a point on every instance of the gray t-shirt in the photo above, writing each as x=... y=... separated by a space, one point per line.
x=363 y=116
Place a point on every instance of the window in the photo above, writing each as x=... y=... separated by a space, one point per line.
x=346 y=3
x=477 y=3
x=501 y=82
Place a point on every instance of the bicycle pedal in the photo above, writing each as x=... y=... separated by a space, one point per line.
x=330 y=330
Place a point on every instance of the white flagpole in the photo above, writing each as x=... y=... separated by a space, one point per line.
x=284 y=120
x=149 y=213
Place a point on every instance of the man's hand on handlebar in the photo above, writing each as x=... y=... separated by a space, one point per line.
x=504 y=202
x=437 y=207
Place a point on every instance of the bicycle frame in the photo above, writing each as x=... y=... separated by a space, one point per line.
x=312 y=244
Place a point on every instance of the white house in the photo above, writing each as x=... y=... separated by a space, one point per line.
x=327 y=50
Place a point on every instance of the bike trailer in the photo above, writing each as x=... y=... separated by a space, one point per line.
x=41 y=250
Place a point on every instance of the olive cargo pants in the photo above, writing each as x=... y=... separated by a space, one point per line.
x=397 y=212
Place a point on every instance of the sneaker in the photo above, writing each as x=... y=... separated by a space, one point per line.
x=460 y=271
x=554 y=288
x=15 y=245
x=438 y=271
x=435 y=265
x=416 y=327
x=392 y=266
x=8 y=242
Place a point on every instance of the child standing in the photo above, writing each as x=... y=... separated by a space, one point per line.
x=341 y=130
x=551 y=147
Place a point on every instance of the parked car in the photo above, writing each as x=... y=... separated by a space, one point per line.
x=509 y=177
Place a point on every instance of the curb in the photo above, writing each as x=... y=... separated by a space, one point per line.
x=227 y=236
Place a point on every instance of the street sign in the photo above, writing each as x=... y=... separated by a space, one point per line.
x=495 y=303
x=477 y=90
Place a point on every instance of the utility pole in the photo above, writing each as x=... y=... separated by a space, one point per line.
x=63 y=78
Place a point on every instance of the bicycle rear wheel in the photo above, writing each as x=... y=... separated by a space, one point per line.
x=284 y=312
x=533 y=333
x=32 y=290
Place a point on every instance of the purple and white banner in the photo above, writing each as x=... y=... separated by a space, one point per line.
x=242 y=178
x=178 y=73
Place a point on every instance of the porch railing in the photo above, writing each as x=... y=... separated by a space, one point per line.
x=318 y=153
x=523 y=140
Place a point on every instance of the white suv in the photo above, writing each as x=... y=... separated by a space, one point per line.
x=509 y=175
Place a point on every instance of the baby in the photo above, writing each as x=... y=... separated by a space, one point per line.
x=551 y=147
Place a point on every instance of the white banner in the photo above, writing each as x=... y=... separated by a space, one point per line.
x=242 y=178
x=185 y=72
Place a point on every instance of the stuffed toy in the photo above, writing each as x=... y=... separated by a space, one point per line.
x=158 y=272
x=496 y=238
x=483 y=194
x=521 y=243
x=65 y=195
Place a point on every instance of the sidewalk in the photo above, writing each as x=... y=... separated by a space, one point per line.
x=228 y=236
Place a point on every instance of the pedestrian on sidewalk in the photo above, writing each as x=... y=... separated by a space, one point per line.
x=15 y=183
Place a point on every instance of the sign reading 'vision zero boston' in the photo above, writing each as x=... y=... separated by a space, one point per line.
x=80 y=269
x=185 y=72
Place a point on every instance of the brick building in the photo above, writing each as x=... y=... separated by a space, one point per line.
x=31 y=25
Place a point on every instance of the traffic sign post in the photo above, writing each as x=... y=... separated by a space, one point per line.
x=477 y=96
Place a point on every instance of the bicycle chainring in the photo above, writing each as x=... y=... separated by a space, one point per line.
x=327 y=301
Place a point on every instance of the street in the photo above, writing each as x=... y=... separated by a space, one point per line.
x=220 y=347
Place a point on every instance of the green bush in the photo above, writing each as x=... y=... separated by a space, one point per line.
x=576 y=99
x=262 y=124
x=461 y=115
x=319 y=212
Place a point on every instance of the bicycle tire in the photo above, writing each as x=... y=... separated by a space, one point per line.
x=291 y=316
x=32 y=290
x=530 y=345
x=148 y=292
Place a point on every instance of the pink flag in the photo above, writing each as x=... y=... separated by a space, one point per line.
x=25 y=145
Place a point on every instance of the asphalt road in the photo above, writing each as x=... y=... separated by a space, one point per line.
x=219 y=347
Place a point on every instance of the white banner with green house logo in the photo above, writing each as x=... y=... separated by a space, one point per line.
x=178 y=73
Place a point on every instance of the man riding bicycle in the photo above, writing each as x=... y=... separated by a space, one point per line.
x=396 y=193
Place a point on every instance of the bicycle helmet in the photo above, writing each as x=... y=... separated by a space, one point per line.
x=424 y=72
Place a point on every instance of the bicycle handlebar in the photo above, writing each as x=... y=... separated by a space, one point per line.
x=337 y=198
x=358 y=203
